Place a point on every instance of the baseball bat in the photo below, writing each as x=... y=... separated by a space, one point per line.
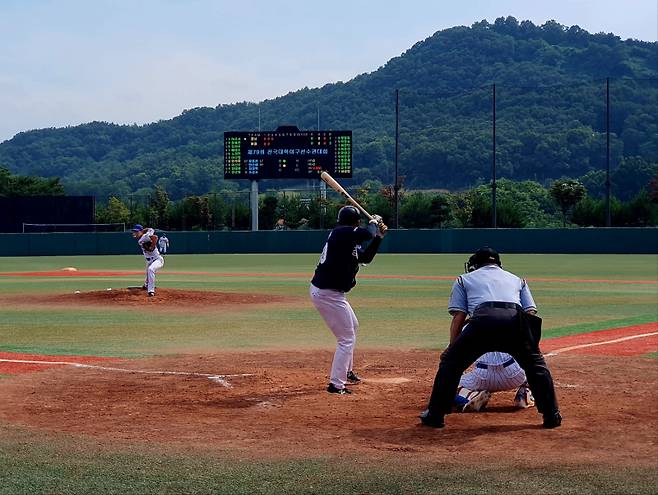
x=341 y=190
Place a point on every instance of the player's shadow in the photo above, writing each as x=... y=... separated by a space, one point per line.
x=503 y=409
x=411 y=433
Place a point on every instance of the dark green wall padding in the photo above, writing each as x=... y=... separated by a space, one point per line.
x=568 y=241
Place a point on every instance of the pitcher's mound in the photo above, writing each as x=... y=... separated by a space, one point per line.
x=164 y=297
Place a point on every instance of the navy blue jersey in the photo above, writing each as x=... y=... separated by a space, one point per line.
x=342 y=253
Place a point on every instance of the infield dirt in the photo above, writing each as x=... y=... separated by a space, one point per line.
x=174 y=299
x=277 y=408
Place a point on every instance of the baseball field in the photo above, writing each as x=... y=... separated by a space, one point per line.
x=217 y=384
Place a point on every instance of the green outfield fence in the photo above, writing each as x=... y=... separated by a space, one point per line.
x=585 y=240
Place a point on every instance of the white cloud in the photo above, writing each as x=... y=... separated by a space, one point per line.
x=72 y=61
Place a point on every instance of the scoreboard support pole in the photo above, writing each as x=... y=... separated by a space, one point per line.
x=253 y=201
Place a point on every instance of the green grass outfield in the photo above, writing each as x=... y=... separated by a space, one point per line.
x=575 y=293
x=395 y=312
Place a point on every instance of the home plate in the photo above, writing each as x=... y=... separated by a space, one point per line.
x=395 y=380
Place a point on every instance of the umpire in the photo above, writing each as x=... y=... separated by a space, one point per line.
x=502 y=319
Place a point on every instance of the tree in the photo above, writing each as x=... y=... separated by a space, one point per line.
x=567 y=193
x=219 y=211
x=653 y=188
x=267 y=212
x=158 y=205
x=461 y=205
x=439 y=210
x=114 y=212
x=550 y=106
x=20 y=185
x=192 y=213
x=415 y=211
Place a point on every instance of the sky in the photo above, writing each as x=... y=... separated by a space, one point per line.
x=67 y=62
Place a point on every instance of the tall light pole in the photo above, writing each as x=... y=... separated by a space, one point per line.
x=396 y=186
x=608 y=185
x=494 y=221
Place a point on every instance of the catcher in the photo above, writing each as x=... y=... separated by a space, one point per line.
x=493 y=372
x=148 y=241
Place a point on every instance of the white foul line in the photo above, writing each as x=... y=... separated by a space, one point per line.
x=581 y=346
x=221 y=379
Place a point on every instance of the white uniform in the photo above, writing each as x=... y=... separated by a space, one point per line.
x=163 y=244
x=154 y=261
x=494 y=371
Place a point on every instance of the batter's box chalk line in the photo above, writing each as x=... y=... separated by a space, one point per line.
x=221 y=379
x=566 y=385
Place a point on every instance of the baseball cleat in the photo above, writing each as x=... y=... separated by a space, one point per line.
x=332 y=389
x=523 y=398
x=431 y=420
x=552 y=421
x=353 y=377
x=477 y=401
x=151 y=294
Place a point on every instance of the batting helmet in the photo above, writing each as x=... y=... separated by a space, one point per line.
x=348 y=215
x=483 y=256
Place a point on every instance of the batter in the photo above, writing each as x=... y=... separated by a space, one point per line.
x=347 y=246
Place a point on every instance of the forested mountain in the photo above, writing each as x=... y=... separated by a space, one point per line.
x=550 y=94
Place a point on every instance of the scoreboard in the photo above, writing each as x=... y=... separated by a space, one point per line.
x=287 y=153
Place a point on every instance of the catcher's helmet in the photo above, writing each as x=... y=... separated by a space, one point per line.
x=348 y=215
x=483 y=256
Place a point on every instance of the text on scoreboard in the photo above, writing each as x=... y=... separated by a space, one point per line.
x=287 y=154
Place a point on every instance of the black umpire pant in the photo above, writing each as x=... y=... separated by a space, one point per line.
x=501 y=327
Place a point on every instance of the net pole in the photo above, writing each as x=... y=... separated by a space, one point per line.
x=494 y=220
x=396 y=186
x=608 y=214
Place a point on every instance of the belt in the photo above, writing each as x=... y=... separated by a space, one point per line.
x=483 y=366
x=501 y=305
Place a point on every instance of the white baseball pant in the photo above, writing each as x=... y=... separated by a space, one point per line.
x=341 y=320
x=494 y=378
x=152 y=266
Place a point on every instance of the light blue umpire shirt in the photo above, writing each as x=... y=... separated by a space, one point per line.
x=486 y=284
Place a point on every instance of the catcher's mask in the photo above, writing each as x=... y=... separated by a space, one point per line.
x=348 y=215
x=483 y=256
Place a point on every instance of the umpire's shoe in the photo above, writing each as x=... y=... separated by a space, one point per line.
x=332 y=389
x=553 y=420
x=431 y=420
